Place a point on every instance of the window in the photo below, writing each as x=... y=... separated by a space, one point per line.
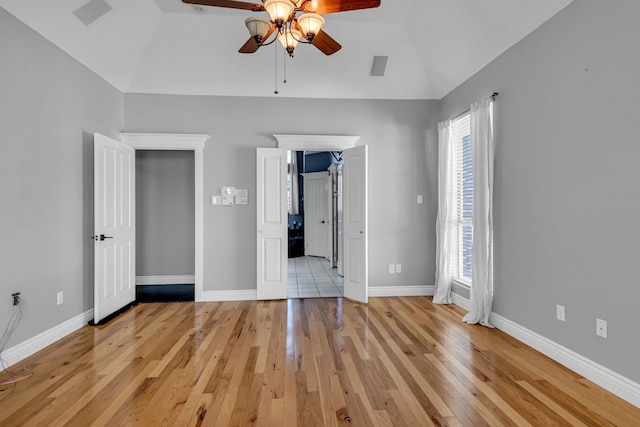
x=463 y=235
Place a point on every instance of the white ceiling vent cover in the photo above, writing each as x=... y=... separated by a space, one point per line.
x=378 y=66
x=91 y=11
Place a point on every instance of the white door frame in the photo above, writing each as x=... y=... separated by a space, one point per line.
x=318 y=143
x=182 y=142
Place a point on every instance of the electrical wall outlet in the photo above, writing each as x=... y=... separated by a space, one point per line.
x=560 y=312
x=398 y=268
x=601 y=328
x=60 y=298
x=392 y=269
x=419 y=199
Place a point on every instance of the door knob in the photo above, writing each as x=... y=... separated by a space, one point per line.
x=102 y=237
x=322 y=222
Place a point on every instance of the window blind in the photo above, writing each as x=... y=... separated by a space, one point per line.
x=464 y=195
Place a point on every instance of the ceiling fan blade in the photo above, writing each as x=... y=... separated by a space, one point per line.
x=332 y=6
x=230 y=4
x=251 y=46
x=326 y=43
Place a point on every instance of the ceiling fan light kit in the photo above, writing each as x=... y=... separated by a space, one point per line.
x=289 y=39
x=310 y=24
x=290 y=30
x=258 y=28
x=279 y=11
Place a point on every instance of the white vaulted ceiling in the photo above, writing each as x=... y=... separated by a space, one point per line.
x=168 y=47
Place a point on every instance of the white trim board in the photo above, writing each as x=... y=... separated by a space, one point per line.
x=241 y=295
x=178 y=141
x=317 y=142
x=401 y=291
x=615 y=383
x=33 y=345
x=166 y=280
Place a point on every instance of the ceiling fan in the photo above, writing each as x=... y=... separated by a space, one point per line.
x=289 y=28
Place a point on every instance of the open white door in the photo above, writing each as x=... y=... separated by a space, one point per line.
x=354 y=206
x=114 y=225
x=272 y=230
x=317 y=214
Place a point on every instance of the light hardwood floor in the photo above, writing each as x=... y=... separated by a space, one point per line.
x=312 y=362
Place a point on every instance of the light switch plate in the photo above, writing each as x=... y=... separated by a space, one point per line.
x=242 y=197
x=216 y=200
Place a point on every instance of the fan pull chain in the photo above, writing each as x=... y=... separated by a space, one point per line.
x=276 y=67
x=284 y=61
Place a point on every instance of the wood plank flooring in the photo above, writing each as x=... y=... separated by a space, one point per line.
x=302 y=362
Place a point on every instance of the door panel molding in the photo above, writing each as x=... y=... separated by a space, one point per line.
x=114 y=226
x=355 y=224
x=271 y=223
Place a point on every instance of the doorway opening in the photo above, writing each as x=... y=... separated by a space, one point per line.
x=271 y=210
x=181 y=142
x=165 y=231
x=314 y=199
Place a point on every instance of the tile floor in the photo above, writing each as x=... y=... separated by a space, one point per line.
x=313 y=277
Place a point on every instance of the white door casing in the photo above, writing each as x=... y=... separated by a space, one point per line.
x=340 y=215
x=182 y=142
x=271 y=227
x=318 y=214
x=355 y=210
x=114 y=226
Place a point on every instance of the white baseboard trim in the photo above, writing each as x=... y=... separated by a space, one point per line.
x=617 y=384
x=243 y=295
x=604 y=377
x=165 y=280
x=401 y=291
x=33 y=345
x=460 y=301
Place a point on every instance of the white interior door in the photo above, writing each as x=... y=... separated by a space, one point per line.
x=272 y=230
x=317 y=214
x=354 y=206
x=340 y=215
x=114 y=224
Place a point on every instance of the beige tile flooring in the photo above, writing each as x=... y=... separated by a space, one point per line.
x=313 y=277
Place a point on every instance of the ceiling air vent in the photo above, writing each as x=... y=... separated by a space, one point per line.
x=92 y=11
x=378 y=66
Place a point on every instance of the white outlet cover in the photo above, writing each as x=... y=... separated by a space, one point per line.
x=560 y=315
x=601 y=328
x=392 y=269
x=419 y=199
x=398 y=268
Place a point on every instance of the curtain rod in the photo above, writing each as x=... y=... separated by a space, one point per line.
x=493 y=97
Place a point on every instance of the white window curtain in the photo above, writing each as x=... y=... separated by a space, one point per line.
x=445 y=244
x=294 y=207
x=482 y=262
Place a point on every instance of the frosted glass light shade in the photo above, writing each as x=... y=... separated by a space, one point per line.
x=289 y=39
x=279 y=10
x=258 y=28
x=311 y=24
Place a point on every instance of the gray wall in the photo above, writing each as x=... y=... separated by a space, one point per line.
x=400 y=230
x=165 y=214
x=50 y=106
x=566 y=188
